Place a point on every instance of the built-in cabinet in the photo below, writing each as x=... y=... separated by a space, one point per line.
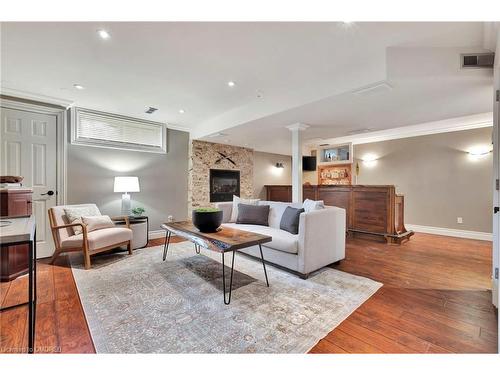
x=14 y=259
x=374 y=210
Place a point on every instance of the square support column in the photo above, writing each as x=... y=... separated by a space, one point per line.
x=297 y=161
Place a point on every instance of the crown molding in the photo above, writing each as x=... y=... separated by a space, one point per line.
x=482 y=120
x=36 y=97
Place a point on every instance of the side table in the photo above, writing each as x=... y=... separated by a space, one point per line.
x=140 y=230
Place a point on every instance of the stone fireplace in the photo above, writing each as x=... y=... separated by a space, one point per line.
x=216 y=159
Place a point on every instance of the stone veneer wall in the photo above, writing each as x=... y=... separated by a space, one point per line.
x=203 y=158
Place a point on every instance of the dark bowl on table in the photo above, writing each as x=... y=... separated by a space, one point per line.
x=207 y=221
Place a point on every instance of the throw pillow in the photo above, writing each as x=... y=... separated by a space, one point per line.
x=97 y=222
x=252 y=214
x=238 y=200
x=290 y=219
x=310 y=205
x=74 y=215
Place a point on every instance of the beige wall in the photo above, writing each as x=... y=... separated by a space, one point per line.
x=265 y=172
x=162 y=178
x=439 y=180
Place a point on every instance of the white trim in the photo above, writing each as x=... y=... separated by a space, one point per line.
x=61 y=136
x=153 y=234
x=451 y=232
x=179 y=128
x=482 y=120
x=36 y=97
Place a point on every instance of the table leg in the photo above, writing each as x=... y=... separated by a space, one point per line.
x=263 y=264
x=30 y=298
x=166 y=243
x=228 y=301
x=197 y=248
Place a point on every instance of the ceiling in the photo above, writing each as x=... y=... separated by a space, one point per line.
x=284 y=73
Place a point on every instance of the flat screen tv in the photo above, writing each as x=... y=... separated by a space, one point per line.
x=309 y=163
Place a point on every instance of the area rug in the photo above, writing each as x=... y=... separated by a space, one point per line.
x=140 y=304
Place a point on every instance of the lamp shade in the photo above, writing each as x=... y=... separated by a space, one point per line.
x=126 y=185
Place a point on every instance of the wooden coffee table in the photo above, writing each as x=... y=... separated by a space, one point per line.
x=223 y=241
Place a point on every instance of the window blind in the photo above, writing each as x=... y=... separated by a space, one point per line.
x=108 y=130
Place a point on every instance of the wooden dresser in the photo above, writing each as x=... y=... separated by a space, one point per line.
x=374 y=210
x=15 y=202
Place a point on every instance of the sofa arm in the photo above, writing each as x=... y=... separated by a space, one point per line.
x=227 y=209
x=321 y=238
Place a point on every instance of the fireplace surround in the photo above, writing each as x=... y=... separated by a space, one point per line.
x=224 y=184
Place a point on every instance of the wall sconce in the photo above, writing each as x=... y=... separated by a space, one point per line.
x=370 y=160
x=279 y=165
x=479 y=152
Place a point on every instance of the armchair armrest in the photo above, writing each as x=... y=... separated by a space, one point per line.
x=321 y=237
x=122 y=218
x=84 y=227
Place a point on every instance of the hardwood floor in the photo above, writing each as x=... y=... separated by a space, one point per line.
x=435 y=299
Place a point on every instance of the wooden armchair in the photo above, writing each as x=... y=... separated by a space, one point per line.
x=89 y=243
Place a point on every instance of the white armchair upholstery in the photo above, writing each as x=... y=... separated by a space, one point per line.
x=89 y=243
x=320 y=242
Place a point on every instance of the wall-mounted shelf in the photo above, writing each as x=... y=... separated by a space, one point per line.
x=334 y=154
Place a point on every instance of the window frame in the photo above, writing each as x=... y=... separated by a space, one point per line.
x=76 y=112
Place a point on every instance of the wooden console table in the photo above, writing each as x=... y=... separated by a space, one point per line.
x=370 y=209
x=15 y=232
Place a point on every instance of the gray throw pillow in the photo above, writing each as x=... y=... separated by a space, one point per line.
x=251 y=214
x=290 y=219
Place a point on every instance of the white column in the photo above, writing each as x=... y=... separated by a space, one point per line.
x=297 y=161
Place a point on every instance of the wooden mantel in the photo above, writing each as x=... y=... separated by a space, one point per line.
x=370 y=209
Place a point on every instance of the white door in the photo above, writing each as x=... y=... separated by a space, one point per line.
x=28 y=143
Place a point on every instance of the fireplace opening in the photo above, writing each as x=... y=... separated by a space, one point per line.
x=223 y=185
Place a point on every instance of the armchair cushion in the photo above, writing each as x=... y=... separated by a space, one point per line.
x=97 y=222
x=74 y=214
x=99 y=238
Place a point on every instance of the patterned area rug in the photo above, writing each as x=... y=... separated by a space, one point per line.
x=140 y=304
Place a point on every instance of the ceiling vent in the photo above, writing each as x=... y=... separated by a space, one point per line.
x=215 y=135
x=477 y=60
x=151 y=110
x=360 y=131
x=375 y=88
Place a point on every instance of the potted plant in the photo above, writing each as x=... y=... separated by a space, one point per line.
x=207 y=219
x=138 y=211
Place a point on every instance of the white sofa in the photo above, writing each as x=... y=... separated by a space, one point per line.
x=320 y=242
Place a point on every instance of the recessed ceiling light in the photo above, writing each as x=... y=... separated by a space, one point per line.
x=78 y=86
x=103 y=34
x=231 y=84
x=181 y=111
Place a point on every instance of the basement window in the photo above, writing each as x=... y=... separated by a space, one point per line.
x=100 y=129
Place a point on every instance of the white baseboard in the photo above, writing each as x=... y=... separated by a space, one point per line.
x=156 y=234
x=451 y=232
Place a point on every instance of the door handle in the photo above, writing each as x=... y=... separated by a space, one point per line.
x=49 y=193
x=496 y=209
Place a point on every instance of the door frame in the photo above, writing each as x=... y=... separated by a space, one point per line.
x=61 y=114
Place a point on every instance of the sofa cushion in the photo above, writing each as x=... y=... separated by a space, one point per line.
x=238 y=200
x=282 y=240
x=99 y=238
x=290 y=220
x=276 y=210
x=310 y=205
x=251 y=214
